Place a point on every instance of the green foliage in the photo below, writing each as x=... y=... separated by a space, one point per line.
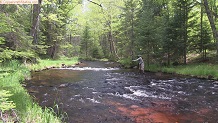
x=10 y=54
x=155 y=28
x=14 y=40
x=6 y=54
x=56 y=26
x=36 y=114
x=199 y=70
x=46 y=63
x=86 y=43
x=127 y=62
x=96 y=53
x=162 y=31
x=2 y=40
x=127 y=29
x=13 y=94
x=5 y=104
x=149 y=30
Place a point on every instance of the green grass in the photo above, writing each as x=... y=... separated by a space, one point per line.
x=38 y=115
x=200 y=70
x=26 y=109
x=45 y=63
x=12 y=75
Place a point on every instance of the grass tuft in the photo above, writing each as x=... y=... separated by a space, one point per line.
x=44 y=63
x=200 y=70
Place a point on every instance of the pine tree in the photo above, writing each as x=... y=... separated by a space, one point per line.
x=85 y=42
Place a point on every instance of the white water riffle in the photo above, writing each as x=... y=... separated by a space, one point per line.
x=93 y=100
x=89 y=68
x=141 y=92
x=138 y=92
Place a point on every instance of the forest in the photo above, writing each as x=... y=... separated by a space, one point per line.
x=164 y=32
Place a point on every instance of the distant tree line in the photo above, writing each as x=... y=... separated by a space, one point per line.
x=162 y=31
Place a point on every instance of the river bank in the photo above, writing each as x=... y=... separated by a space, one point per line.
x=199 y=70
x=194 y=69
x=15 y=102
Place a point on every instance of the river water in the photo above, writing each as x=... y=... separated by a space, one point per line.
x=98 y=92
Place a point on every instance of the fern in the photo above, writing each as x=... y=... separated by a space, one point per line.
x=5 y=104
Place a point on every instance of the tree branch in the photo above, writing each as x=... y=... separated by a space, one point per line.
x=95 y=3
x=212 y=12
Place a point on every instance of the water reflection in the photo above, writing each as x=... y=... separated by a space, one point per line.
x=88 y=68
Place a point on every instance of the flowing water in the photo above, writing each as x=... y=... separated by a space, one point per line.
x=98 y=92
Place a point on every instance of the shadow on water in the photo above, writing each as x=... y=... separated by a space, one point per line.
x=98 y=92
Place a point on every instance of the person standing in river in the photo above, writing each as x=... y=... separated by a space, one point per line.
x=141 y=64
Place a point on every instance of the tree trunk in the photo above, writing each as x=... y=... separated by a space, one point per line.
x=111 y=42
x=35 y=22
x=201 y=36
x=212 y=24
x=148 y=53
x=168 y=55
x=132 y=32
x=185 y=31
x=86 y=48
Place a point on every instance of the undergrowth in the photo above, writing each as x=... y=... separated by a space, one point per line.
x=202 y=70
x=44 y=63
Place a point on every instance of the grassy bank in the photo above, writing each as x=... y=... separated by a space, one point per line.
x=47 y=63
x=14 y=96
x=200 y=70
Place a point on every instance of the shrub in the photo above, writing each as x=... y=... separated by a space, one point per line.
x=127 y=63
x=5 y=104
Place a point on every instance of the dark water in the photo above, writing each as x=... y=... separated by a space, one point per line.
x=96 y=93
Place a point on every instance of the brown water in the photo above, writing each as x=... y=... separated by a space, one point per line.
x=97 y=93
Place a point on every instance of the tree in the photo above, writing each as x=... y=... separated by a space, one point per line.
x=211 y=19
x=203 y=35
x=180 y=27
x=86 y=42
x=35 y=21
x=56 y=15
x=149 y=30
x=109 y=18
x=15 y=43
x=126 y=33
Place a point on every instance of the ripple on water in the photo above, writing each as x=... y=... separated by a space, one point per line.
x=93 y=100
x=88 y=68
x=139 y=92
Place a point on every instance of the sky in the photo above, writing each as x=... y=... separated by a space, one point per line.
x=85 y=6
